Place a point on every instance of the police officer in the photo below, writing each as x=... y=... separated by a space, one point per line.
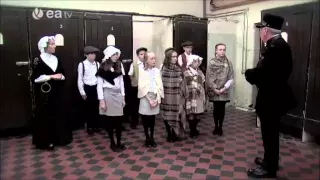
x=274 y=97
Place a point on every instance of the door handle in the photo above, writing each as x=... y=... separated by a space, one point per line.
x=22 y=63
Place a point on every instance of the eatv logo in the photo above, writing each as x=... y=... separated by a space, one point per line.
x=38 y=13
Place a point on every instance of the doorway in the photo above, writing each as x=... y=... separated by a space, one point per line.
x=195 y=30
x=299 y=27
x=15 y=95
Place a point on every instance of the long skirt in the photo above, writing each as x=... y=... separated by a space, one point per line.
x=114 y=102
x=173 y=114
x=145 y=108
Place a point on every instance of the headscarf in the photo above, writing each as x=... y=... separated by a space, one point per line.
x=43 y=43
x=193 y=58
x=109 y=51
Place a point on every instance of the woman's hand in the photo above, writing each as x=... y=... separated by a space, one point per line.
x=223 y=90
x=102 y=105
x=216 y=91
x=153 y=103
x=123 y=101
x=56 y=76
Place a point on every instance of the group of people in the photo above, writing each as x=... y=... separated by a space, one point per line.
x=178 y=91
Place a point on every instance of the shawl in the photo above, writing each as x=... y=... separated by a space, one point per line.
x=171 y=78
x=144 y=84
x=107 y=73
x=194 y=90
x=219 y=71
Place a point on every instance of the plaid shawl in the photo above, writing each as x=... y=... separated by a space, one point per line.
x=170 y=104
x=194 y=89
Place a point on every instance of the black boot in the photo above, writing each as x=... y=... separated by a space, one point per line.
x=220 y=131
x=121 y=146
x=153 y=143
x=215 y=131
x=147 y=143
x=114 y=147
x=90 y=131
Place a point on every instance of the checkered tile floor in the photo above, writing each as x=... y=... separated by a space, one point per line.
x=209 y=157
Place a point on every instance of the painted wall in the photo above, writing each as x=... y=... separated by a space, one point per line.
x=248 y=46
x=156 y=35
x=158 y=7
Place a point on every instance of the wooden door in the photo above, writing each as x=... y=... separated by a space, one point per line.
x=70 y=54
x=312 y=123
x=195 y=30
x=15 y=97
x=97 y=28
x=297 y=24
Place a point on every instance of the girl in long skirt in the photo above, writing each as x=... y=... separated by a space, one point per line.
x=111 y=94
x=49 y=126
x=150 y=92
x=194 y=94
x=170 y=105
x=219 y=80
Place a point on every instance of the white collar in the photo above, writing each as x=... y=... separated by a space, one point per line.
x=187 y=54
x=139 y=62
x=193 y=71
x=50 y=59
x=93 y=63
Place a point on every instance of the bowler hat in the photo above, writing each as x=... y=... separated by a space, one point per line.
x=271 y=21
x=90 y=49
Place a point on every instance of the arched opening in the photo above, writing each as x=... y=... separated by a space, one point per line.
x=1 y=39
x=285 y=36
x=111 y=40
x=59 y=40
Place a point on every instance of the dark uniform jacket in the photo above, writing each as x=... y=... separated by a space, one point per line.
x=271 y=77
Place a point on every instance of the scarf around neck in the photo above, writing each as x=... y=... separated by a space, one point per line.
x=109 y=75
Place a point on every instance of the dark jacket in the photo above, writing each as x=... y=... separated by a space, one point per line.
x=271 y=77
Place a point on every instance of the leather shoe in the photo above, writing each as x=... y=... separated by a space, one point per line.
x=260 y=172
x=259 y=161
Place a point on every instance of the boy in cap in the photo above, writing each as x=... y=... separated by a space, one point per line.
x=184 y=57
x=87 y=85
x=134 y=76
x=275 y=97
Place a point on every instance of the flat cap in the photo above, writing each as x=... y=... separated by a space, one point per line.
x=141 y=49
x=90 y=49
x=186 y=43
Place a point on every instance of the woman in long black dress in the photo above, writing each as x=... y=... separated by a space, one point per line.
x=49 y=126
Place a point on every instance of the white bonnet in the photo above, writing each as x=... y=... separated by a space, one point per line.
x=109 y=51
x=43 y=42
x=193 y=58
